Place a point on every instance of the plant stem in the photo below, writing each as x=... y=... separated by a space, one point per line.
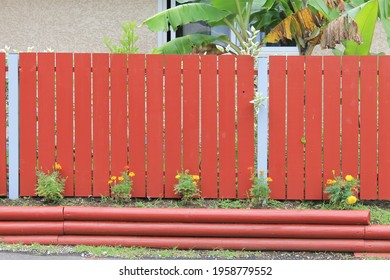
x=235 y=31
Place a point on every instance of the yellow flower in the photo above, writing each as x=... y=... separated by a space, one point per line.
x=195 y=177
x=269 y=179
x=109 y=182
x=120 y=178
x=351 y=199
x=333 y=172
x=131 y=174
x=261 y=171
x=348 y=178
x=329 y=182
x=177 y=176
x=57 y=166
x=113 y=177
x=333 y=181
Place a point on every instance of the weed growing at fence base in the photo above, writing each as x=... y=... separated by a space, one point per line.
x=51 y=185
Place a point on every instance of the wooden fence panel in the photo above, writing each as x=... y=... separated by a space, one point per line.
x=3 y=121
x=64 y=121
x=277 y=126
x=227 y=130
x=83 y=147
x=313 y=126
x=368 y=127
x=295 y=133
x=101 y=152
x=28 y=124
x=384 y=129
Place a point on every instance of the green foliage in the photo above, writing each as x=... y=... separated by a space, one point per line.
x=187 y=186
x=128 y=42
x=260 y=190
x=50 y=185
x=121 y=186
x=342 y=192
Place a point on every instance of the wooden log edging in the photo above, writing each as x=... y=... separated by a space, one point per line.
x=235 y=229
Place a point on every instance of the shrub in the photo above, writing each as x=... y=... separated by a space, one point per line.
x=342 y=192
x=187 y=186
x=128 y=41
x=50 y=185
x=260 y=190
x=121 y=186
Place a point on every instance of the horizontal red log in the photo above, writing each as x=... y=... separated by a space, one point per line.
x=30 y=239
x=250 y=216
x=33 y=213
x=377 y=246
x=212 y=230
x=377 y=232
x=31 y=228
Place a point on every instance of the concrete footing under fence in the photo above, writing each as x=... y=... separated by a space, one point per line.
x=234 y=229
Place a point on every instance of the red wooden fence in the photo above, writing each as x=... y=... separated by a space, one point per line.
x=96 y=113
x=329 y=113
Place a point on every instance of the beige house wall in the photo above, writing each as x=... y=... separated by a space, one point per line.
x=72 y=25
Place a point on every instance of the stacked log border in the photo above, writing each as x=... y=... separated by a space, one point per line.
x=235 y=229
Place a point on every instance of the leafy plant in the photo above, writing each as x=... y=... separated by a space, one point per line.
x=50 y=185
x=342 y=192
x=260 y=190
x=128 y=42
x=121 y=186
x=187 y=186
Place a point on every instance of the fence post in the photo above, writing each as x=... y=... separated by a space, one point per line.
x=13 y=125
x=262 y=117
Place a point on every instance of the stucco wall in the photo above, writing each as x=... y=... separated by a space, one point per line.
x=72 y=25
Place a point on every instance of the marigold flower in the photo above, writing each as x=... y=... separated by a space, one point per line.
x=126 y=167
x=131 y=174
x=113 y=177
x=120 y=178
x=261 y=171
x=351 y=199
x=195 y=177
x=109 y=182
x=57 y=166
x=348 y=178
x=333 y=172
x=329 y=182
x=333 y=181
x=269 y=179
x=177 y=176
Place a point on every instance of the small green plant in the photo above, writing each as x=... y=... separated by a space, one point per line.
x=50 y=185
x=121 y=185
x=260 y=190
x=187 y=186
x=128 y=41
x=342 y=192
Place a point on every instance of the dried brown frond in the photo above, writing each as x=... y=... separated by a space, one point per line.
x=336 y=3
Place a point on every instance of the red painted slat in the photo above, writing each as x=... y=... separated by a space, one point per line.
x=154 y=85
x=368 y=127
x=137 y=135
x=101 y=155
x=277 y=135
x=209 y=126
x=295 y=110
x=3 y=158
x=191 y=113
x=350 y=103
x=227 y=142
x=331 y=116
x=245 y=123
x=313 y=161
x=384 y=128
x=83 y=154
x=64 y=95
x=28 y=123
x=46 y=111
x=173 y=143
x=118 y=113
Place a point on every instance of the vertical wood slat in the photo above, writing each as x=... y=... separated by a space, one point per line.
x=245 y=123
x=101 y=155
x=384 y=129
x=331 y=116
x=64 y=109
x=83 y=154
x=313 y=160
x=295 y=148
x=3 y=136
x=350 y=106
x=368 y=127
x=191 y=113
x=227 y=142
x=209 y=126
x=154 y=85
x=277 y=111
x=118 y=113
x=45 y=111
x=172 y=122
x=28 y=121
x=136 y=80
